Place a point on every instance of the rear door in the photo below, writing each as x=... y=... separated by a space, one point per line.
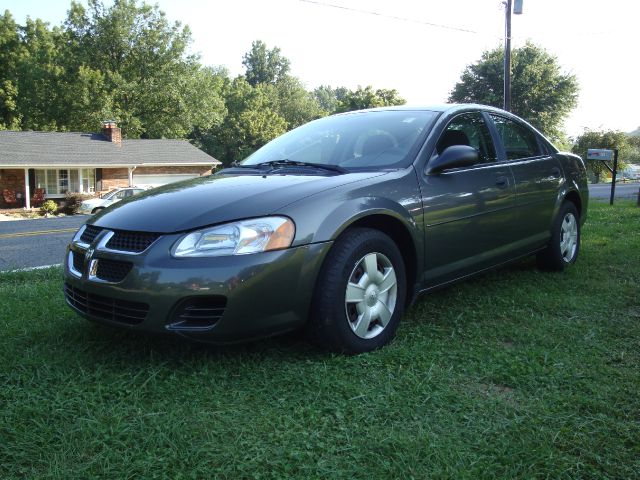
x=468 y=212
x=538 y=177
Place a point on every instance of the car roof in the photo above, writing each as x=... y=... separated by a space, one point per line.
x=442 y=107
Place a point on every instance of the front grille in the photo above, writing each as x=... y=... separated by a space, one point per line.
x=122 y=311
x=78 y=261
x=90 y=233
x=131 y=241
x=198 y=313
x=112 y=270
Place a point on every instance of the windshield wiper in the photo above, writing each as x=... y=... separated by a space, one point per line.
x=294 y=163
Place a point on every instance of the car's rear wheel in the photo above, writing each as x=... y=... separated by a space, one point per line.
x=360 y=293
x=564 y=246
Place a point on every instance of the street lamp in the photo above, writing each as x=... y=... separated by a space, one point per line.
x=517 y=9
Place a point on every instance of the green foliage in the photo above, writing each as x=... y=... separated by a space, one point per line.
x=368 y=98
x=293 y=102
x=540 y=92
x=125 y=62
x=72 y=202
x=516 y=374
x=329 y=98
x=264 y=65
x=609 y=139
x=251 y=121
x=634 y=143
x=48 y=207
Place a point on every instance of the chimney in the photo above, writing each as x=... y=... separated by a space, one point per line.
x=111 y=131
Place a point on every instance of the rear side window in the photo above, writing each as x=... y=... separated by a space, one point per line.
x=519 y=141
x=469 y=129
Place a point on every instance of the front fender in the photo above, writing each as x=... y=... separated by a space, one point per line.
x=322 y=217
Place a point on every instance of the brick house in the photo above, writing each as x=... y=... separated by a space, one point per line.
x=58 y=162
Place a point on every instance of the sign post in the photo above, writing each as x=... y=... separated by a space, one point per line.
x=605 y=155
x=613 y=176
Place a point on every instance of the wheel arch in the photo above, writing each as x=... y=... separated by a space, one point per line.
x=398 y=231
x=574 y=197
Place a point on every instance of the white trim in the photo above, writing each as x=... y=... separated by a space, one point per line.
x=27 y=190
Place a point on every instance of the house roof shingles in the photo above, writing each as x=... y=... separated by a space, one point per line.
x=34 y=149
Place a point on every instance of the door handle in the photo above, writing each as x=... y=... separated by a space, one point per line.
x=502 y=182
x=555 y=172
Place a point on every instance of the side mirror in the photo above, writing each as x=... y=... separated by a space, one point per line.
x=455 y=156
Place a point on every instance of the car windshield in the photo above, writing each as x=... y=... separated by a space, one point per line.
x=363 y=140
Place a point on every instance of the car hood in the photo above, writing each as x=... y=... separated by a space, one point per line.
x=216 y=199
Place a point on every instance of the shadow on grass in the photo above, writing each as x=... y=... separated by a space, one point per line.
x=104 y=344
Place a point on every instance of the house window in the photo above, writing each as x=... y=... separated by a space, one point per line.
x=88 y=176
x=59 y=182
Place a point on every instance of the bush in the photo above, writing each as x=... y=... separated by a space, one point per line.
x=72 y=202
x=48 y=207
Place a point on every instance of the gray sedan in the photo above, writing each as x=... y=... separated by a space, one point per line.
x=334 y=227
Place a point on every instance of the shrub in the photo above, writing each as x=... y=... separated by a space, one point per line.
x=48 y=207
x=72 y=202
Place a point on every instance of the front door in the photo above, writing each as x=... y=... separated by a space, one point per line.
x=469 y=211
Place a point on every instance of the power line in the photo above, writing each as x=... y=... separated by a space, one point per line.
x=394 y=17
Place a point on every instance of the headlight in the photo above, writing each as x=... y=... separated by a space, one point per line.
x=237 y=238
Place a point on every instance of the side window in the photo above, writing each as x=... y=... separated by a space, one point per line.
x=469 y=129
x=120 y=195
x=519 y=141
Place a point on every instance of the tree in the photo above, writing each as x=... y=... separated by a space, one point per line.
x=368 y=98
x=329 y=98
x=11 y=50
x=155 y=89
x=609 y=139
x=541 y=93
x=250 y=122
x=293 y=102
x=264 y=65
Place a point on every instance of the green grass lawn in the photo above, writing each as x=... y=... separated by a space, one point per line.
x=515 y=374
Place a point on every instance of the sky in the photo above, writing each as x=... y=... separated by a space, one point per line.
x=418 y=47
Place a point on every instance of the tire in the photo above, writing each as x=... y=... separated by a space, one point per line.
x=96 y=210
x=564 y=246
x=354 y=310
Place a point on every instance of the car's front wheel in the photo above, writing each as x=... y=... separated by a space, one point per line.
x=564 y=245
x=360 y=293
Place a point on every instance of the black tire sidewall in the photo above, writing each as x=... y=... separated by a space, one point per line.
x=555 y=259
x=333 y=330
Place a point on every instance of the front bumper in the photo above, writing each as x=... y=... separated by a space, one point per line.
x=257 y=295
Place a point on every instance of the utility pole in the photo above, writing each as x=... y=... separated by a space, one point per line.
x=507 y=49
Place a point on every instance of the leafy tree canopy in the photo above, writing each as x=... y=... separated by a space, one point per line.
x=264 y=65
x=367 y=97
x=329 y=98
x=125 y=62
x=540 y=92
x=609 y=139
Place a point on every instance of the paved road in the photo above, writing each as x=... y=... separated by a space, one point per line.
x=623 y=190
x=32 y=243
